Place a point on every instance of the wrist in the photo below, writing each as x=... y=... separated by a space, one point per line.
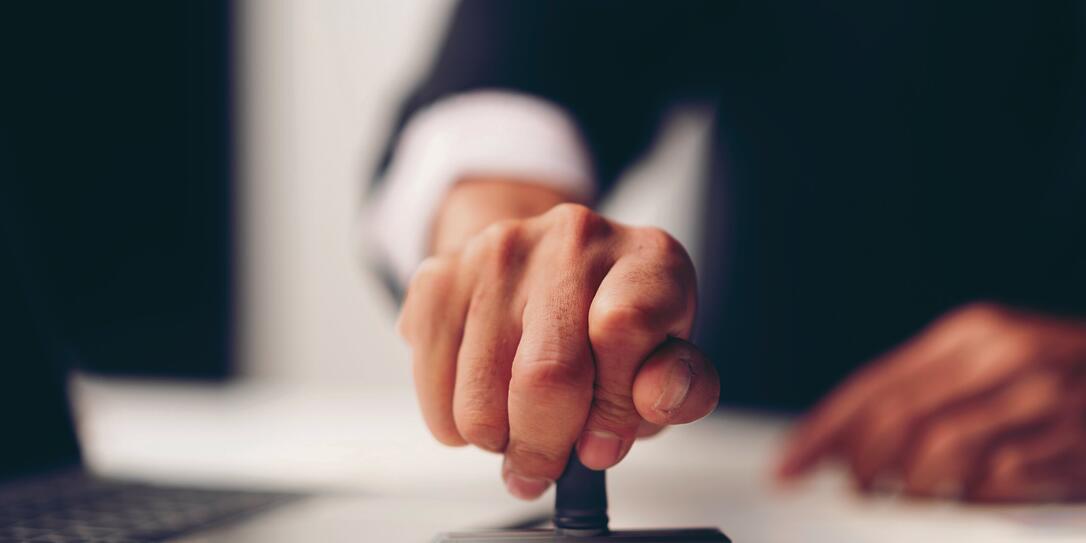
x=476 y=202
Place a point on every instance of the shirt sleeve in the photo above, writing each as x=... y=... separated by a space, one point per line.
x=491 y=132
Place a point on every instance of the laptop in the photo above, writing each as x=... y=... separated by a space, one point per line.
x=47 y=494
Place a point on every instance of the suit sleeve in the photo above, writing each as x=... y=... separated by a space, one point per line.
x=610 y=64
x=593 y=77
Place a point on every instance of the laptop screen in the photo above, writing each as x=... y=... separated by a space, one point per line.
x=35 y=422
x=117 y=116
x=115 y=205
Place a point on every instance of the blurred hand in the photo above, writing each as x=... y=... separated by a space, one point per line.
x=988 y=404
x=559 y=329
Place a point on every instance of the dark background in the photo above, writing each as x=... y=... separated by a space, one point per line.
x=116 y=148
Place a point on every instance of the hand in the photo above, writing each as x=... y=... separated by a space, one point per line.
x=557 y=329
x=988 y=404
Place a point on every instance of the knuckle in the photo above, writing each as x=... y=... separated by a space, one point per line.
x=613 y=410
x=550 y=374
x=501 y=243
x=571 y=213
x=478 y=430
x=609 y=319
x=501 y=232
x=660 y=245
x=670 y=261
x=578 y=223
x=504 y=237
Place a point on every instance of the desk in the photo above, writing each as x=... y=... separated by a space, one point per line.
x=370 y=439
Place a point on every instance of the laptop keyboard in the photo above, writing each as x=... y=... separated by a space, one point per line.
x=74 y=507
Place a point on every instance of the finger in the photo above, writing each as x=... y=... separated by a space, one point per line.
x=491 y=334
x=877 y=440
x=647 y=296
x=432 y=323
x=551 y=387
x=1048 y=467
x=920 y=364
x=822 y=431
x=676 y=385
x=949 y=451
x=549 y=396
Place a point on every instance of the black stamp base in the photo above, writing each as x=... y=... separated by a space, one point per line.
x=686 y=535
x=580 y=516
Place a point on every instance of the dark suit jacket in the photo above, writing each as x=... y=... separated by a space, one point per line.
x=875 y=163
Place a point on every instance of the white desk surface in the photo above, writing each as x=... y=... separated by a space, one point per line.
x=371 y=440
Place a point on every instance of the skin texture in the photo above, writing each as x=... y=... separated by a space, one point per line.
x=539 y=326
x=987 y=404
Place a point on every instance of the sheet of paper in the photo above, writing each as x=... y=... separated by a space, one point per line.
x=350 y=437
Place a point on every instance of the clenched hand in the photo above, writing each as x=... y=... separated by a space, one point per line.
x=988 y=404
x=559 y=330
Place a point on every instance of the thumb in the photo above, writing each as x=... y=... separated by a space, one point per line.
x=676 y=384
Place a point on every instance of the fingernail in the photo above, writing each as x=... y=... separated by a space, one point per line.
x=525 y=488
x=675 y=389
x=598 y=449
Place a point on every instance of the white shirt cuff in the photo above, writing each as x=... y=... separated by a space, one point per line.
x=476 y=133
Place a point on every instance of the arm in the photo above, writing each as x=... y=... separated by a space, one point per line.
x=537 y=325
